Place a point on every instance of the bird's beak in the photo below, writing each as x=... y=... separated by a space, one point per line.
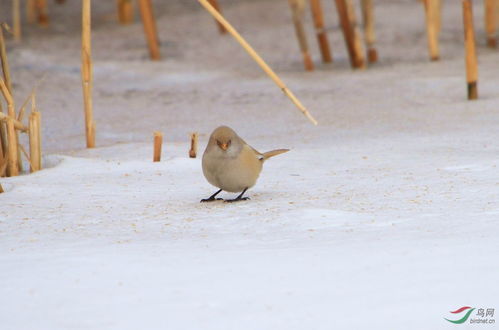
x=224 y=146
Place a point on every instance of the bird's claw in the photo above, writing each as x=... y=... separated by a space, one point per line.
x=236 y=200
x=210 y=200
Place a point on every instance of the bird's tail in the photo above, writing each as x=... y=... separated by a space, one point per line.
x=268 y=154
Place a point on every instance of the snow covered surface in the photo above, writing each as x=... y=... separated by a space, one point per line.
x=384 y=216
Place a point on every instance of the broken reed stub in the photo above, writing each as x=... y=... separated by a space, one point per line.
x=194 y=145
x=158 y=142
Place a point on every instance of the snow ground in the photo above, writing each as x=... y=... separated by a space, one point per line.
x=383 y=216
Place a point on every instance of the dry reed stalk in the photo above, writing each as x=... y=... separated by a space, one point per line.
x=1 y=189
x=37 y=131
x=33 y=101
x=158 y=141
x=11 y=131
x=125 y=11
x=86 y=72
x=31 y=11
x=3 y=167
x=6 y=74
x=17 y=124
x=315 y=6
x=149 y=23
x=194 y=145
x=3 y=154
x=369 y=33
x=358 y=44
x=432 y=19
x=351 y=12
x=3 y=139
x=350 y=33
x=3 y=58
x=297 y=9
x=257 y=59
x=490 y=22
x=20 y=166
x=16 y=19
x=28 y=158
x=20 y=115
x=215 y=5
x=3 y=135
x=32 y=97
x=38 y=117
x=41 y=12
x=439 y=15
x=469 y=44
x=35 y=142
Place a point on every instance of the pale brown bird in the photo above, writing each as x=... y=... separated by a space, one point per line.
x=231 y=164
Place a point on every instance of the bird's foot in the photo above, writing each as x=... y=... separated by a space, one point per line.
x=236 y=200
x=210 y=200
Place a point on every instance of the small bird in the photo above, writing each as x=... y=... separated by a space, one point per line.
x=231 y=164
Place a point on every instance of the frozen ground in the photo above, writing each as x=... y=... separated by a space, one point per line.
x=384 y=216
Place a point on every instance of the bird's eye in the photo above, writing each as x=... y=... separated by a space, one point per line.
x=219 y=144
x=228 y=143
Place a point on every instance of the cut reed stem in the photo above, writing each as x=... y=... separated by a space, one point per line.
x=469 y=44
x=194 y=145
x=158 y=142
x=86 y=72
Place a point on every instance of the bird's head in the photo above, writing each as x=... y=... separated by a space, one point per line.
x=224 y=137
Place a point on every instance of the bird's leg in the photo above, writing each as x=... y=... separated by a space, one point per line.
x=238 y=198
x=212 y=197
